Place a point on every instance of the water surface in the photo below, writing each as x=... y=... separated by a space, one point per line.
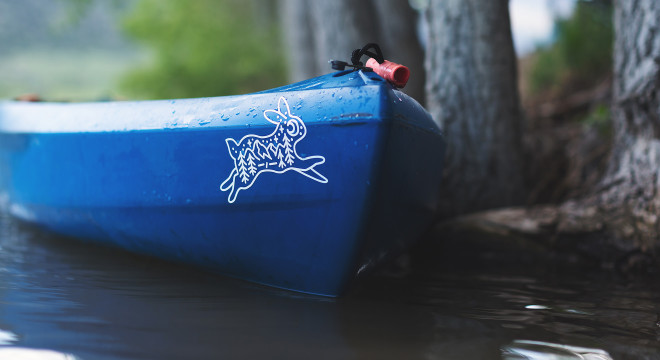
x=73 y=300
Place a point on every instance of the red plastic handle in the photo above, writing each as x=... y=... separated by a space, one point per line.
x=395 y=73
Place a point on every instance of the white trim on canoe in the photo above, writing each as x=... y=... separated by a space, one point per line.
x=226 y=111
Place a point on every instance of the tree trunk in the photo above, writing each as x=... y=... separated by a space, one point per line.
x=623 y=208
x=319 y=31
x=400 y=43
x=628 y=197
x=341 y=26
x=618 y=222
x=472 y=93
x=297 y=31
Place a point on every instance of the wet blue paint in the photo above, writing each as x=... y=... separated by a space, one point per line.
x=169 y=179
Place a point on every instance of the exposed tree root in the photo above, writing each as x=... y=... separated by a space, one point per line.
x=583 y=228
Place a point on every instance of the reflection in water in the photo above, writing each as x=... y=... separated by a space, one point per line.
x=7 y=337
x=99 y=303
x=17 y=353
x=539 y=350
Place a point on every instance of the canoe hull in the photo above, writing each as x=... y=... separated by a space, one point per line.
x=179 y=192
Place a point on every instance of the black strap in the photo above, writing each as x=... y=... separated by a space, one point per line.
x=357 y=55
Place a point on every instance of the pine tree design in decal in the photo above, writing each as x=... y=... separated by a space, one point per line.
x=274 y=153
x=252 y=168
x=241 y=168
x=288 y=151
x=280 y=157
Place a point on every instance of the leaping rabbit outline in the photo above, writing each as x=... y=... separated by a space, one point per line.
x=276 y=152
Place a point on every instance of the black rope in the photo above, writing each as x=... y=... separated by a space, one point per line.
x=357 y=55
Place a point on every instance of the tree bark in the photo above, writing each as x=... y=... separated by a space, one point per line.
x=618 y=221
x=319 y=31
x=297 y=31
x=472 y=93
x=400 y=42
x=623 y=208
x=341 y=26
x=628 y=198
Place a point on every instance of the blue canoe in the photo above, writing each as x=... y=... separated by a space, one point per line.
x=297 y=187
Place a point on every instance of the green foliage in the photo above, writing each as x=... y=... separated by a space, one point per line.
x=77 y=10
x=547 y=70
x=599 y=118
x=582 y=52
x=203 y=48
x=63 y=74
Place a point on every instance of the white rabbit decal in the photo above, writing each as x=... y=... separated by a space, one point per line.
x=276 y=152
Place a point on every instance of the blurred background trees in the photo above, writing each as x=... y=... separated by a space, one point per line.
x=91 y=49
x=581 y=53
x=160 y=48
x=204 y=48
x=566 y=94
x=63 y=49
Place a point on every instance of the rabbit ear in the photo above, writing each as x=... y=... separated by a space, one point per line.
x=274 y=117
x=231 y=143
x=283 y=107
